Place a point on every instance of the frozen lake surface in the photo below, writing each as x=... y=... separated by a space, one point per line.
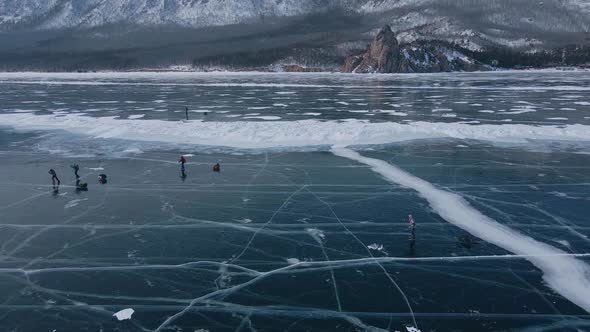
x=305 y=227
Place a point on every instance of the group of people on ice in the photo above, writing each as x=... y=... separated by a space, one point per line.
x=80 y=186
x=182 y=161
x=102 y=178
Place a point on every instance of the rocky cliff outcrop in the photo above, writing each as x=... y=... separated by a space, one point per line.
x=385 y=55
x=381 y=56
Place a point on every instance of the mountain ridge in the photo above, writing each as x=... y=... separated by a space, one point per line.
x=112 y=34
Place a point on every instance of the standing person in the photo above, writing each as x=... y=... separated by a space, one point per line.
x=182 y=161
x=76 y=169
x=54 y=177
x=412 y=226
x=186 y=111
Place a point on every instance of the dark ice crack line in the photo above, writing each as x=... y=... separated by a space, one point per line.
x=346 y=263
x=393 y=282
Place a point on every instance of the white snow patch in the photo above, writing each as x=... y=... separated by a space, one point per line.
x=316 y=234
x=557 y=119
x=133 y=151
x=312 y=114
x=136 y=116
x=582 y=103
x=74 y=203
x=392 y=112
x=124 y=314
x=567 y=275
x=261 y=134
x=564 y=243
x=259 y=108
x=263 y=117
x=520 y=111
x=95 y=168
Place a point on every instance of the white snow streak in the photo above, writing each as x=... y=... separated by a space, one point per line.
x=568 y=276
x=265 y=134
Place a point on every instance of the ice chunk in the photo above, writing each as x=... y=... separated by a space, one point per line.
x=124 y=314
x=375 y=246
x=292 y=261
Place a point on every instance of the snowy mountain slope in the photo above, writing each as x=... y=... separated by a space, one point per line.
x=476 y=21
x=137 y=33
x=52 y=14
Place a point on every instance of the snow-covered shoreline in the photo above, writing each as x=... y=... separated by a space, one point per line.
x=177 y=73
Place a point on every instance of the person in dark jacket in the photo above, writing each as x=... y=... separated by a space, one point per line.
x=217 y=168
x=76 y=168
x=54 y=178
x=182 y=161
